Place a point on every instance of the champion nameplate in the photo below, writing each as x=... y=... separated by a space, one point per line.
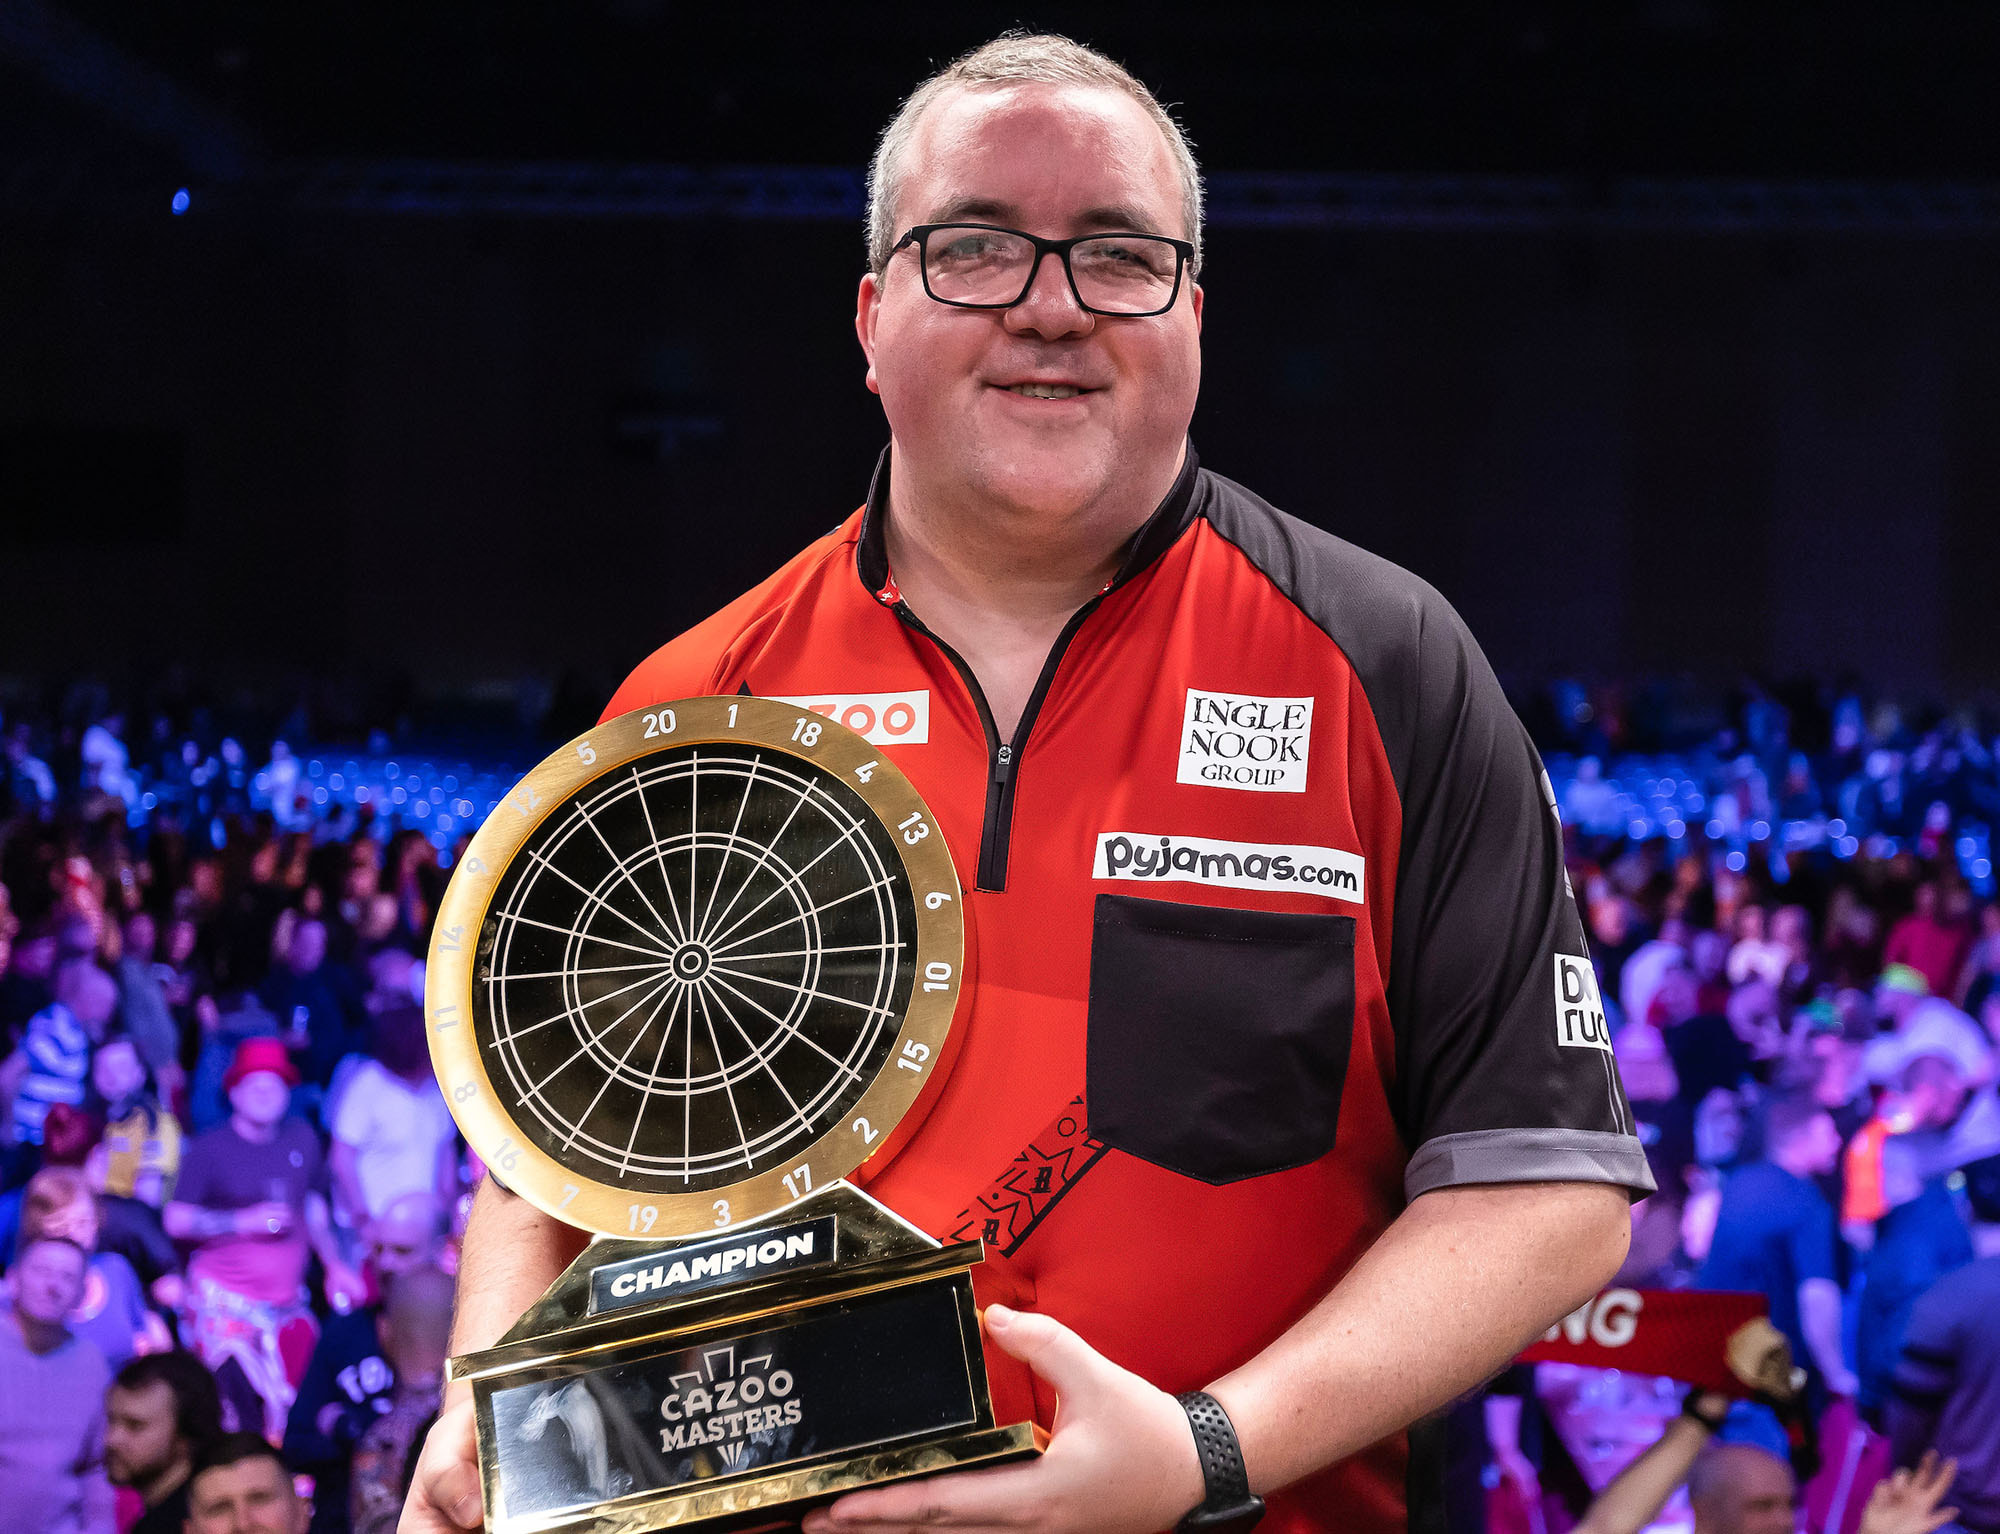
x=690 y=1269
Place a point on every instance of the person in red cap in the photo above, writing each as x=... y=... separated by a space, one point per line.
x=252 y=1202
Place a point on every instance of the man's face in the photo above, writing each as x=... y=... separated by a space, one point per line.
x=1822 y=1143
x=48 y=1281
x=261 y=1097
x=140 y=1441
x=1756 y=1499
x=308 y=947
x=1054 y=161
x=252 y=1496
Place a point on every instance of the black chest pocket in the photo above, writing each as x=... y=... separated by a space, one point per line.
x=1219 y=1038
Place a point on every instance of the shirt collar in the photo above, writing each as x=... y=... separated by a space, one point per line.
x=1158 y=533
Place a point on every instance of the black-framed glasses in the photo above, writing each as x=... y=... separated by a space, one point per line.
x=986 y=266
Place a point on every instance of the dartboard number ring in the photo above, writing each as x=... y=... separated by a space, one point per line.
x=700 y=962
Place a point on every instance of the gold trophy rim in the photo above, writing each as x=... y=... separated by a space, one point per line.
x=892 y=1104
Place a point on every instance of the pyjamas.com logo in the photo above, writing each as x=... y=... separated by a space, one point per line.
x=1233 y=865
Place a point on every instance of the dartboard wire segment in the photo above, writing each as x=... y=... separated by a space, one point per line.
x=703 y=960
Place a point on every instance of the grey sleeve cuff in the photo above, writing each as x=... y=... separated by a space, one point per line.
x=1529 y=1155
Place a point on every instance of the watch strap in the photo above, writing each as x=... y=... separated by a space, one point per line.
x=1228 y=1503
x=1690 y=1408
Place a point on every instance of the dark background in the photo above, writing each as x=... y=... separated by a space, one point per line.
x=506 y=340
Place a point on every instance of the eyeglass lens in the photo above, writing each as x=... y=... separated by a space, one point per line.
x=1114 y=273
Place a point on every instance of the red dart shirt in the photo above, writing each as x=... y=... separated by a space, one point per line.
x=1268 y=933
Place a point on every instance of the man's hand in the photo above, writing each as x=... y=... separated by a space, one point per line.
x=1907 y=1503
x=345 y=1288
x=1122 y=1459
x=273 y=1217
x=444 y=1492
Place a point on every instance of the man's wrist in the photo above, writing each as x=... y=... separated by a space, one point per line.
x=1706 y=1408
x=1227 y=1502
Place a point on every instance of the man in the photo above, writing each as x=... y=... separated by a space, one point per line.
x=351 y=1382
x=1739 y=1488
x=161 y=1414
x=315 y=1001
x=1349 y=1164
x=252 y=1201
x=1946 y=1393
x=58 y=1043
x=1923 y=1023
x=1774 y=1236
x=392 y=1134
x=51 y=1401
x=415 y=1331
x=242 y=1487
x=142 y=1003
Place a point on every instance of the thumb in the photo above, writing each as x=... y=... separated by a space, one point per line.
x=1076 y=1370
x=450 y=1496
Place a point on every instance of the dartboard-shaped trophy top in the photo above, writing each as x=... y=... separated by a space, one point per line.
x=700 y=962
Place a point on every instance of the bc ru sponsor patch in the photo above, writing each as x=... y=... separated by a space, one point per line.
x=1580 y=1020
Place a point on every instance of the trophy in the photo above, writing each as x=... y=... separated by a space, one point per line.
x=694 y=970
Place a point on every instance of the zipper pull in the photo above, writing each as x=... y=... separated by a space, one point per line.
x=1003 y=763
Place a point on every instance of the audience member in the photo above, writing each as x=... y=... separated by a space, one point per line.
x=416 y=1333
x=57 y=1045
x=139 y=1155
x=252 y=1200
x=1934 y=938
x=51 y=1400
x=241 y=1486
x=111 y=1312
x=1946 y=1391
x=143 y=1008
x=161 y=1414
x=1774 y=1235
x=350 y=1381
x=315 y=1005
x=392 y=1133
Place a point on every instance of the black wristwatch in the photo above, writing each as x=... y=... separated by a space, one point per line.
x=1228 y=1505
x=1689 y=1409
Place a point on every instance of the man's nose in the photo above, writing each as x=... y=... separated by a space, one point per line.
x=1050 y=309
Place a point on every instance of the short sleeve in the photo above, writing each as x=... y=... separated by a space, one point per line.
x=1505 y=1071
x=197 y=1173
x=354 y=1118
x=316 y=1179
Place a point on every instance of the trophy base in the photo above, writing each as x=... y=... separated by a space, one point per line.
x=757 y=1503
x=734 y=1381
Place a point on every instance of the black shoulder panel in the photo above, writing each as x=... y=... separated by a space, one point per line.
x=1504 y=1070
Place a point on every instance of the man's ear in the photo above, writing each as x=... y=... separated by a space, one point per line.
x=867 y=306
x=1195 y=298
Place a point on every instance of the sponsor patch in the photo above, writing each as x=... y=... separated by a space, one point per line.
x=1579 y=1008
x=885 y=718
x=1141 y=855
x=1232 y=740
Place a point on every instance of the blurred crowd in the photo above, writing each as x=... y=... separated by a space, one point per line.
x=230 y=1190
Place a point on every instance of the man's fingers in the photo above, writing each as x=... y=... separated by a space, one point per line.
x=970 y=1500
x=1052 y=1350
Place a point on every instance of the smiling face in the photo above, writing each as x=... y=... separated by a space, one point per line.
x=960 y=386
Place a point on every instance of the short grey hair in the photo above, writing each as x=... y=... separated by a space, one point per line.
x=1018 y=58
